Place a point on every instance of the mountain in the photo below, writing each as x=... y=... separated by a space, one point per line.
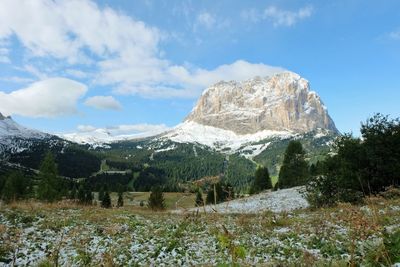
x=10 y=129
x=25 y=148
x=249 y=117
x=16 y=138
x=233 y=126
x=283 y=102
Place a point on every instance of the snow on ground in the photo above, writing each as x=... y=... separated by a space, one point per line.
x=92 y=236
x=192 y=132
x=276 y=201
x=251 y=151
x=166 y=149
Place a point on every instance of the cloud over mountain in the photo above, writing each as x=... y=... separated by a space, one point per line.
x=47 y=98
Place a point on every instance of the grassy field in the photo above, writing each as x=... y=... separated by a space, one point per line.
x=172 y=199
x=37 y=234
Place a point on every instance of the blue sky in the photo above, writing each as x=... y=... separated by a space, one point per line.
x=73 y=65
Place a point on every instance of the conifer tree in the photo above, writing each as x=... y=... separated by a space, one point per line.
x=294 y=170
x=81 y=195
x=101 y=193
x=49 y=186
x=15 y=187
x=199 y=199
x=88 y=196
x=210 y=196
x=73 y=193
x=156 y=199
x=120 y=202
x=262 y=180
x=106 y=201
x=223 y=192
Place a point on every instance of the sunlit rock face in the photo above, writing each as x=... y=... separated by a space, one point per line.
x=283 y=102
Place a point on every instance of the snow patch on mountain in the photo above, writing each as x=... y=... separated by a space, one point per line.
x=10 y=129
x=220 y=139
x=102 y=137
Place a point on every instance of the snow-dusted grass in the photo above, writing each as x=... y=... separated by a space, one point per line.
x=277 y=201
x=75 y=236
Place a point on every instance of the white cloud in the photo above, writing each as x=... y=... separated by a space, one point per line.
x=196 y=80
x=86 y=128
x=17 y=79
x=251 y=14
x=47 y=98
x=123 y=52
x=4 y=55
x=395 y=35
x=77 y=73
x=58 y=29
x=103 y=102
x=281 y=17
x=128 y=129
x=278 y=17
x=206 y=19
x=132 y=130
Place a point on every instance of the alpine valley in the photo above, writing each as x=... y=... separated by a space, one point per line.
x=233 y=127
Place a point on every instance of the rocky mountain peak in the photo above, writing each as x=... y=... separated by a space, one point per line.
x=282 y=102
x=3 y=117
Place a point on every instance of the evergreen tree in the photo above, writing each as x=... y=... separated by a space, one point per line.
x=262 y=180
x=106 y=201
x=228 y=192
x=120 y=201
x=73 y=193
x=294 y=170
x=15 y=187
x=101 y=193
x=81 y=195
x=88 y=196
x=156 y=199
x=199 y=199
x=50 y=184
x=210 y=196
x=85 y=195
x=223 y=192
x=8 y=193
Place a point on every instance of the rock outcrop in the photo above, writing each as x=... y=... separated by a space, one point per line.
x=283 y=102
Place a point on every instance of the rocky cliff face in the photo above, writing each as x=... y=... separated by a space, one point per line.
x=283 y=102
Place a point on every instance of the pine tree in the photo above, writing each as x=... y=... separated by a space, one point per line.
x=81 y=195
x=199 y=199
x=120 y=202
x=223 y=193
x=262 y=180
x=106 y=201
x=156 y=199
x=210 y=196
x=88 y=196
x=294 y=170
x=15 y=187
x=229 y=192
x=49 y=186
x=73 y=193
x=101 y=193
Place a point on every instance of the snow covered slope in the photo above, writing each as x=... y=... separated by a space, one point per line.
x=15 y=138
x=9 y=129
x=102 y=137
x=276 y=201
x=220 y=139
